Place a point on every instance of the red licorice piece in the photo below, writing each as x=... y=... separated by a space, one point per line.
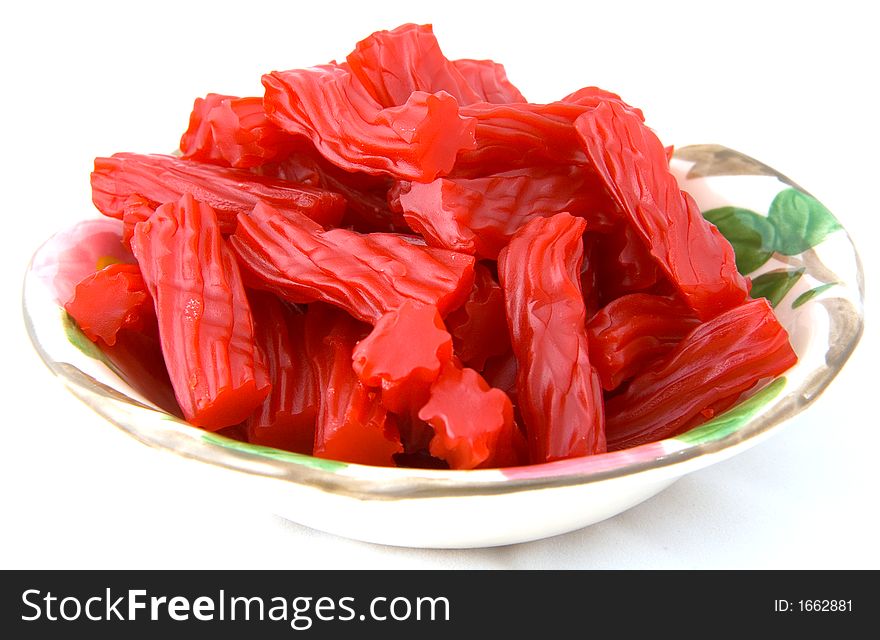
x=135 y=209
x=500 y=372
x=629 y=334
x=590 y=97
x=691 y=252
x=158 y=179
x=136 y=357
x=417 y=140
x=197 y=142
x=473 y=423
x=489 y=80
x=303 y=167
x=403 y=355
x=623 y=263
x=517 y=135
x=233 y=132
x=366 y=195
x=590 y=287
x=368 y=209
x=352 y=424
x=391 y=65
x=286 y=419
x=109 y=300
x=558 y=390
x=479 y=326
x=205 y=325
x=479 y=215
x=368 y=275
x=709 y=368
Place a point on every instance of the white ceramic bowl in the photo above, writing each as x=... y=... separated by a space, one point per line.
x=812 y=272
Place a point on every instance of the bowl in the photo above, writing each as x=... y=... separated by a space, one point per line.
x=795 y=251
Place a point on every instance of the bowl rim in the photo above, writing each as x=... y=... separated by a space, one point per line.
x=367 y=482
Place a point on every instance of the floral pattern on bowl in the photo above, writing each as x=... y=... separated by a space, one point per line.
x=793 y=248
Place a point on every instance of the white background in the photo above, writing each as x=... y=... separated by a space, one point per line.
x=792 y=84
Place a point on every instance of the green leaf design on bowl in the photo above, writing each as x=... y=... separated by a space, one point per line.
x=731 y=420
x=800 y=221
x=79 y=340
x=774 y=285
x=752 y=236
x=275 y=454
x=795 y=223
x=806 y=296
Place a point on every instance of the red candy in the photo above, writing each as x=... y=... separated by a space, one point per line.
x=392 y=65
x=399 y=260
x=557 y=388
x=632 y=332
x=473 y=423
x=480 y=215
x=352 y=425
x=403 y=355
x=692 y=253
x=159 y=179
x=489 y=80
x=479 y=326
x=205 y=325
x=233 y=132
x=286 y=419
x=416 y=140
x=111 y=299
x=365 y=274
x=711 y=366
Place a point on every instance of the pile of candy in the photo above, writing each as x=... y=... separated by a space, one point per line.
x=397 y=259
